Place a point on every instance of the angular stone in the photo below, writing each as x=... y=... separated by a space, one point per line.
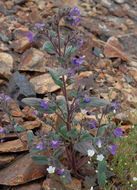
x=4 y=71
x=44 y=84
x=21 y=45
x=19 y=87
x=6 y=159
x=21 y=171
x=31 y=124
x=113 y=48
x=28 y=114
x=13 y=146
x=55 y=182
x=32 y=60
x=33 y=186
x=7 y=58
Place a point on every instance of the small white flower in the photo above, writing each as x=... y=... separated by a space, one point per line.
x=51 y=169
x=133 y=127
x=134 y=178
x=83 y=111
x=131 y=185
x=114 y=111
x=91 y=153
x=100 y=157
x=96 y=171
x=89 y=162
x=91 y=188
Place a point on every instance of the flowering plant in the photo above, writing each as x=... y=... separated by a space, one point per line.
x=80 y=146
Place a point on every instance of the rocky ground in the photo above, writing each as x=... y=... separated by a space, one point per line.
x=109 y=29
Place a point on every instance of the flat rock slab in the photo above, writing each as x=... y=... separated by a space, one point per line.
x=55 y=183
x=21 y=171
x=6 y=159
x=44 y=84
x=12 y=146
x=28 y=125
x=32 y=60
x=5 y=72
x=33 y=186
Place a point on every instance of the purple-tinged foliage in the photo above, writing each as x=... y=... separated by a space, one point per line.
x=118 y=132
x=2 y=131
x=74 y=11
x=115 y=105
x=87 y=99
x=38 y=25
x=55 y=144
x=60 y=171
x=41 y=147
x=35 y=112
x=80 y=43
x=44 y=104
x=77 y=61
x=113 y=149
x=93 y=123
x=30 y=36
x=76 y=21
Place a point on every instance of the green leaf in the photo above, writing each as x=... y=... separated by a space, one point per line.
x=101 y=166
x=61 y=60
x=83 y=147
x=86 y=137
x=35 y=150
x=18 y=128
x=41 y=160
x=30 y=137
x=57 y=163
x=70 y=50
x=102 y=129
x=56 y=137
x=74 y=93
x=94 y=103
x=101 y=179
x=63 y=130
x=48 y=47
x=55 y=77
x=72 y=133
x=52 y=33
x=58 y=152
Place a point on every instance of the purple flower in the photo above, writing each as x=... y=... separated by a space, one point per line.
x=77 y=62
x=70 y=72
x=38 y=25
x=87 y=99
x=118 y=132
x=44 y=104
x=31 y=37
x=41 y=147
x=76 y=21
x=2 y=131
x=113 y=149
x=35 y=112
x=7 y=98
x=93 y=123
x=74 y=11
x=55 y=144
x=80 y=43
x=60 y=171
x=115 y=105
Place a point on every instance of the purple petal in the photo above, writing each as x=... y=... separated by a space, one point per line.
x=44 y=104
x=113 y=149
x=76 y=21
x=118 y=132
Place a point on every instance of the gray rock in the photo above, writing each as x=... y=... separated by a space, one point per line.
x=19 y=87
x=119 y=1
